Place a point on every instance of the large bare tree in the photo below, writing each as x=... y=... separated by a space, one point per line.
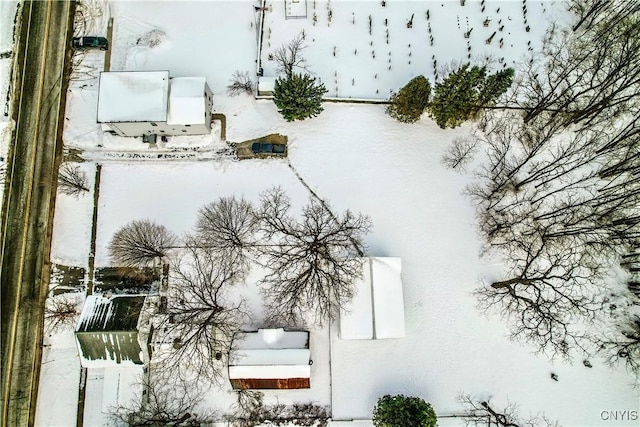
x=228 y=226
x=622 y=346
x=482 y=411
x=141 y=243
x=312 y=261
x=201 y=315
x=591 y=72
x=552 y=290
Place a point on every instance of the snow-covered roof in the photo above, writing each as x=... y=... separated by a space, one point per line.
x=107 y=331
x=119 y=313
x=133 y=96
x=121 y=386
x=271 y=353
x=266 y=84
x=357 y=322
x=377 y=310
x=388 y=304
x=270 y=371
x=187 y=102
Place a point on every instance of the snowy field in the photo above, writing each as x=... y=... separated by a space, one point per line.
x=355 y=157
x=362 y=49
x=391 y=172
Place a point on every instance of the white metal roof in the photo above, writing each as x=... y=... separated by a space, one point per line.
x=271 y=353
x=133 y=96
x=276 y=338
x=377 y=310
x=270 y=372
x=187 y=102
x=388 y=304
x=356 y=323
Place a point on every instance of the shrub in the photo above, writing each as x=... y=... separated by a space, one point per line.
x=403 y=411
x=408 y=105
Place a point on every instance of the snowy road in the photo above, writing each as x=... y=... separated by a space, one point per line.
x=29 y=200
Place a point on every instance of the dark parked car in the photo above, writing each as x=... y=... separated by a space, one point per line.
x=90 y=42
x=268 y=148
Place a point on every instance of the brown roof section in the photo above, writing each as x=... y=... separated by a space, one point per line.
x=270 y=383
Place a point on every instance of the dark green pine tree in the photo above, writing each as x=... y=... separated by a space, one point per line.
x=298 y=96
x=403 y=411
x=465 y=92
x=408 y=105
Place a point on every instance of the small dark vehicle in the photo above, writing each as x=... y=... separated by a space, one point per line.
x=268 y=148
x=90 y=42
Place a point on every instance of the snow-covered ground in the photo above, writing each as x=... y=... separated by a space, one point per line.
x=357 y=158
x=364 y=49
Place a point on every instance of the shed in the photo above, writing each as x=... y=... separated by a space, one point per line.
x=377 y=309
x=266 y=86
x=271 y=359
x=107 y=331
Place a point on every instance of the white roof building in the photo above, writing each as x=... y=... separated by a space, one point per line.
x=187 y=104
x=271 y=359
x=133 y=96
x=138 y=103
x=377 y=309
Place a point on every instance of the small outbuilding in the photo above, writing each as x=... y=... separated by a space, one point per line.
x=377 y=309
x=271 y=359
x=107 y=331
x=266 y=86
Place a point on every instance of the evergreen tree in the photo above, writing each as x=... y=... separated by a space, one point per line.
x=465 y=92
x=403 y=411
x=298 y=96
x=408 y=105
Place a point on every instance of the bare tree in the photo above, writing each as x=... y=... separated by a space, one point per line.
x=240 y=83
x=72 y=180
x=552 y=292
x=460 y=153
x=87 y=14
x=250 y=411
x=589 y=74
x=228 y=226
x=623 y=346
x=481 y=411
x=140 y=243
x=312 y=262
x=201 y=315
x=289 y=56
x=61 y=311
x=558 y=192
x=164 y=402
